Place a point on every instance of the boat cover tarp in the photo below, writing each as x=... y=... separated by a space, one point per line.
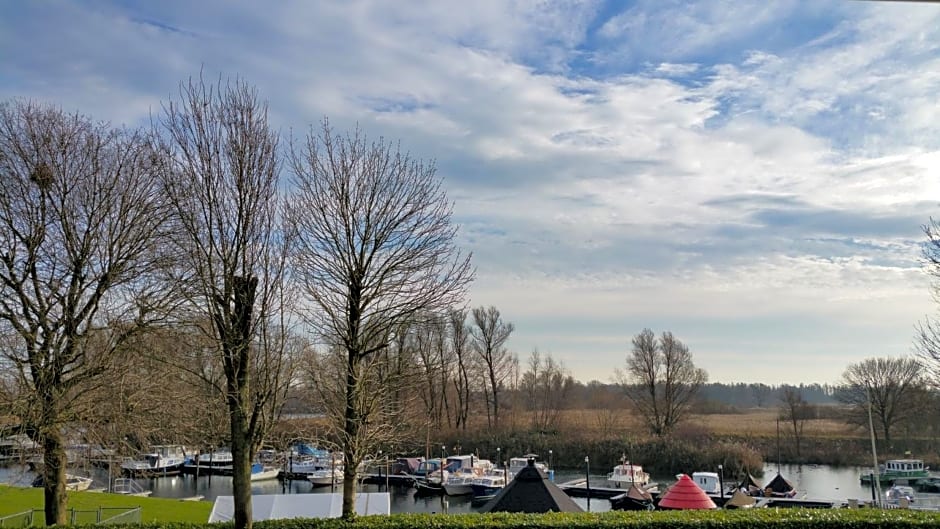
x=639 y=494
x=685 y=494
x=280 y=506
x=779 y=485
x=749 y=484
x=740 y=500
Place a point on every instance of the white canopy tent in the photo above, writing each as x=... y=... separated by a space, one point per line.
x=276 y=506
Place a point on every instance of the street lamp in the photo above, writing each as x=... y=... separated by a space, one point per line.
x=587 y=480
x=550 y=465
x=721 y=481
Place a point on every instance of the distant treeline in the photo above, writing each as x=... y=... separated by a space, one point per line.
x=713 y=397
x=756 y=395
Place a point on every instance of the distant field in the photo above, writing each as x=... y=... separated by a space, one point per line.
x=757 y=422
x=19 y=499
x=763 y=423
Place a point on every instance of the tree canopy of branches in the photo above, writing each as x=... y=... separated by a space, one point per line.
x=795 y=410
x=458 y=333
x=661 y=380
x=895 y=389
x=489 y=334
x=81 y=217
x=546 y=386
x=374 y=250
x=221 y=173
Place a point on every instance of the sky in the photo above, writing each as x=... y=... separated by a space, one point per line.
x=752 y=176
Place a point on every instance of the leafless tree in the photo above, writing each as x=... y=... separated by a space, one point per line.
x=761 y=393
x=82 y=220
x=927 y=340
x=375 y=249
x=661 y=380
x=795 y=410
x=458 y=333
x=489 y=334
x=895 y=388
x=546 y=386
x=221 y=169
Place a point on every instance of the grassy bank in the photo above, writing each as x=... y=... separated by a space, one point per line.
x=19 y=499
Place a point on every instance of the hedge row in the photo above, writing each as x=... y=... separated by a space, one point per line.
x=739 y=519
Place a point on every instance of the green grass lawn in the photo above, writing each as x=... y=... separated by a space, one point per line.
x=19 y=499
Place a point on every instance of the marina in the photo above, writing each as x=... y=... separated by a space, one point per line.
x=818 y=485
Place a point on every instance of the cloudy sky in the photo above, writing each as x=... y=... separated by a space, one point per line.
x=752 y=176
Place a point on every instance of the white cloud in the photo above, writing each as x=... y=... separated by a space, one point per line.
x=715 y=175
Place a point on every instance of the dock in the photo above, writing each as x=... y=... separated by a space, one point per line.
x=578 y=488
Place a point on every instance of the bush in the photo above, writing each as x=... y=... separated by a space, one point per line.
x=738 y=519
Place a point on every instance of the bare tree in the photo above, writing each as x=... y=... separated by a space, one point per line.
x=459 y=336
x=375 y=249
x=795 y=410
x=489 y=334
x=761 y=393
x=546 y=386
x=221 y=174
x=82 y=219
x=661 y=380
x=894 y=388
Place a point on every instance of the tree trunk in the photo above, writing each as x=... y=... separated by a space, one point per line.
x=241 y=471
x=53 y=475
x=351 y=434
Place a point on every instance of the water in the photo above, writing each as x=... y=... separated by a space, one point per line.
x=814 y=481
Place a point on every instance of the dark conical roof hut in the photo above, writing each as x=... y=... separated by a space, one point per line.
x=779 y=487
x=749 y=483
x=531 y=491
x=685 y=494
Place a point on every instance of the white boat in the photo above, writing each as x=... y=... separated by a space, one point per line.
x=161 y=460
x=221 y=457
x=72 y=482
x=260 y=472
x=708 y=482
x=516 y=464
x=463 y=470
x=896 y=493
x=326 y=477
x=489 y=484
x=627 y=474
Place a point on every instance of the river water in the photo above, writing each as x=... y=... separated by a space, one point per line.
x=812 y=481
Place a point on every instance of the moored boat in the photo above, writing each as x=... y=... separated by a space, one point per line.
x=626 y=474
x=897 y=494
x=779 y=487
x=326 y=477
x=220 y=457
x=894 y=469
x=72 y=482
x=463 y=470
x=709 y=482
x=262 y=472
x=489 y=484
x=161 y=460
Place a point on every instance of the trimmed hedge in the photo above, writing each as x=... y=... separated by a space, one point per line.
x=737 y=519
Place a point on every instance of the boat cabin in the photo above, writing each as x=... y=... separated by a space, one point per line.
x=707 y=481
x=902 y=466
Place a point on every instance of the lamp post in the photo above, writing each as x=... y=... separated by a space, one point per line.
x=587 y=480
x=550 y=465
x=721 y=481
x=499 y=462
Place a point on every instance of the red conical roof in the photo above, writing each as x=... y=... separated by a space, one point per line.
x=685 y=494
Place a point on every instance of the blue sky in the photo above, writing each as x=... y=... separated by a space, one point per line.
x=752 y=176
